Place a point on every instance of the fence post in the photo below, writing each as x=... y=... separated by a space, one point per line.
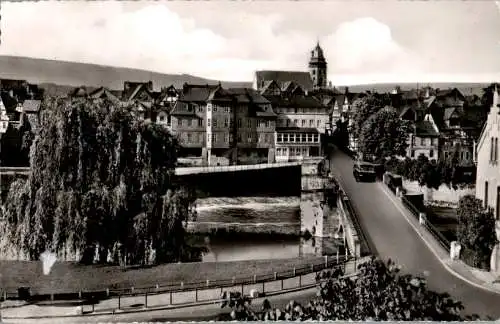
x=281 y=284
x=312 y=267
x=300 y=281
x=157 y=287
x=196 y=295
x=107 y=292
x=80 y=294
x=326 y=261
x=146 y=299
x=254 y=278
x=119 y=301
x=182 y=284
x=294 y=272
x=170 y=297
x=275 y=275
x=208 y=282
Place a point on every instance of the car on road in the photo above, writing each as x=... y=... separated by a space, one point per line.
x=364 y=171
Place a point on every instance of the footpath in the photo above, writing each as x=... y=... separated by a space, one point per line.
x=478 y=278
x=166 y=306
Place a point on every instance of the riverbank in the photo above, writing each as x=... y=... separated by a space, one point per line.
x=67 y=277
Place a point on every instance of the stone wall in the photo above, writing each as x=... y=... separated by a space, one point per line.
x=316 y=218
x=443 y=195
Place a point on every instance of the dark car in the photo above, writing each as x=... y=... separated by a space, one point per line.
x=364 y=171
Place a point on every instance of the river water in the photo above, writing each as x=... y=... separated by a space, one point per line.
x=264 y=211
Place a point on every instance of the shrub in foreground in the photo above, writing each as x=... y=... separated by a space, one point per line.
x=380 y=293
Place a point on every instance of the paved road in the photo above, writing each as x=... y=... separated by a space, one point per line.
x=393 y=237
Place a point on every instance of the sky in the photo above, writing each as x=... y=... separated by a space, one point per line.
x=363 y=41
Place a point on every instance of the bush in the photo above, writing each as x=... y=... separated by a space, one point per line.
x=380 y=292
x=429 y=173
x=476 y=232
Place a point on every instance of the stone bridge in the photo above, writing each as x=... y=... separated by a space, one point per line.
x=317 y=217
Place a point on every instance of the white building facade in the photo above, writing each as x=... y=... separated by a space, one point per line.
x=488 y=170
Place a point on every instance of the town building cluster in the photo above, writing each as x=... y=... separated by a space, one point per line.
x=286 y=115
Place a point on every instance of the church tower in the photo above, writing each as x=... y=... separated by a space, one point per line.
x=317 y=68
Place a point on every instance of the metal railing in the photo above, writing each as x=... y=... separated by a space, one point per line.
x=182 y=287
x=151 y=300
x=443 y=241
x=228 y=168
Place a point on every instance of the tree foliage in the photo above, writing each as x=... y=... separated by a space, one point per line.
x=101 y=179
x=384 y=134
x=379 y=293
x=475 y=232
x=341 y=133
x=362 y=109
x=430 y=173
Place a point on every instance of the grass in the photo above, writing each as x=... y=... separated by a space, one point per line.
x=445 y=220
x=69 y=277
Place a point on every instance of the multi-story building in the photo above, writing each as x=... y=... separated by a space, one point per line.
x=301 y=124
x=224 y=126
x=488 y=170
x=424 y=140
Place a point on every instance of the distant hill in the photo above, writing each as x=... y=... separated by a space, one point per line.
x=466 y=88
x=60 y=76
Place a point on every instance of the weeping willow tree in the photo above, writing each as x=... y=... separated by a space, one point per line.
x=101 y=181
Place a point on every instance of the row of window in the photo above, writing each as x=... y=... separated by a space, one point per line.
x=419 y=141
x=292 y=151
x=291 y=110
x=299 y=123
x=198 y=137
x=494 y=150
x=249 y=124
x=486 y=190
x=226 y=123
x=201 y=108
x=297 y=138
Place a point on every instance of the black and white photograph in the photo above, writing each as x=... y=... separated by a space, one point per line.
x=266 y=160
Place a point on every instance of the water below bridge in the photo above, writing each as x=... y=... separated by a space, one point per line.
x=265 y=211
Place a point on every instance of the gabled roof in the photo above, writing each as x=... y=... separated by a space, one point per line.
x=298 y=91
x=425 y=129
x=103 y=92
x=10 y=103
x=133 y=92
x=196 y=92
x=295 y=101
x=248 y=95
x=298 y=77
x=448 y=112
x=450 y=92
x=288 y=86
x=429 y=101
x=30 y=106
x=269 y=84
x=219 y=94
x=340 y=99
